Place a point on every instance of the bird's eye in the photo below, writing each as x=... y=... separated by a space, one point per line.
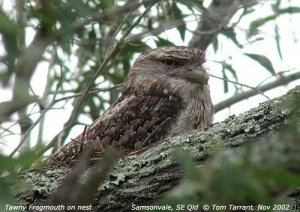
x=170 y=62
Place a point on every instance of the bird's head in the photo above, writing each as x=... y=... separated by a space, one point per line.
x=168 y=70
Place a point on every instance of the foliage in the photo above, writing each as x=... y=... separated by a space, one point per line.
x=257 y=174
x=245 y=177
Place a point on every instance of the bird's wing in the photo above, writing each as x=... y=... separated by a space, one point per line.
x=129 y=124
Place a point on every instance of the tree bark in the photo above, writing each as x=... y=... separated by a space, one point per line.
x=144 y=177
x=215 y=19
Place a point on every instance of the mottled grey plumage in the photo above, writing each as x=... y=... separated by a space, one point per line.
x=165 y=93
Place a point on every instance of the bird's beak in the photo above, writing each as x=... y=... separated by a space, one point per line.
x=195 y=77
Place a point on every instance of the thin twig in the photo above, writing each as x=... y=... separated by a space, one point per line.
x=40 y=117
x=275 y=75
x=91 y=92
x=241 y=84
x=247 y=94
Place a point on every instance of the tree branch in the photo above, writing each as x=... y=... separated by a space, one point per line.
x=282 y=80
x=141 y=178
x=107 y=14
x=214 y=19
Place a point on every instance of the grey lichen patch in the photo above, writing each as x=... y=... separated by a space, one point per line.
x=179 y=140
x=135 y=167
x=137 y=175
x=272 y=151
x=138 y=166
x=253 y=123
x=257 y=127
x=43 y=182
x=115 y=178
x=119 y=178
x=249 y=127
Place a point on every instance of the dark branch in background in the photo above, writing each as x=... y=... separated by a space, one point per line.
x=92 y=91
x=107 y=14
x=44 y=98
x=282 y=80
x=24 y=121
x=215 y=18
x=25 y=68
x=155 y=31
x=9 y=107
x=45 y=95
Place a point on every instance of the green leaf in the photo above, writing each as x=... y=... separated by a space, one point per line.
x=80 y=8
x=262 y=60
x=126 y=64
x=43 y=16
x=225 y=80
x=163 y=42
x=107 y=3
x=6 y=24
x=66 y=44
x=94 y=112
x=177 y=15
x=277 y=39
x=186 y=161
x=9 y=32
x=255 y=39
x=128 y=51
x=9 y=107
x=258 y=23
x=93 y=37
x=134 y=47
x=102 y=103
x=231 y=70
x=114 y=95
x=230 y=33
x=115 y=77
x=22 y=162
x=282 y=177
x=195 y=4
x=215 y=44
x=290 y=10
x=181 y=29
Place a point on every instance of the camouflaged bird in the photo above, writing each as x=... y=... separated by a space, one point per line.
x=166 y=93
